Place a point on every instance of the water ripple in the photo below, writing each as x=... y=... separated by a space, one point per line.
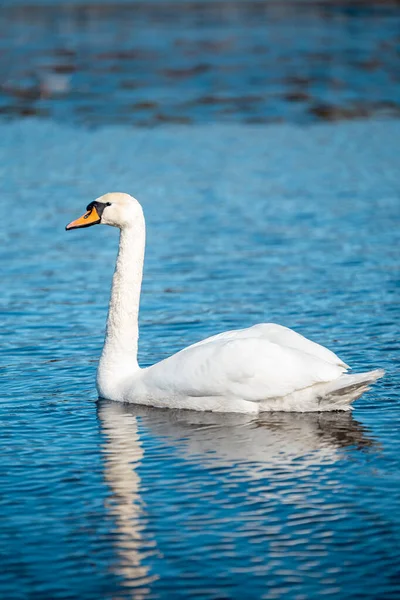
x=102 y=500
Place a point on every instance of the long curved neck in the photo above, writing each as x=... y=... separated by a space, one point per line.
x=119 y=356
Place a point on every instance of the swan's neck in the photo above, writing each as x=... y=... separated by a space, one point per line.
x=119 y=356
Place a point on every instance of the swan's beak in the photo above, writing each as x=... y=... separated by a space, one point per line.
x=90 y=218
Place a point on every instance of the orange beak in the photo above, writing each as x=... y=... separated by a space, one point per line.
x=87 y=220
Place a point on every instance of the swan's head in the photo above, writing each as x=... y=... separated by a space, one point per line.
x=116 y=209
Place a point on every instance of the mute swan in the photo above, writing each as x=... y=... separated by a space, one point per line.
x=266 y=367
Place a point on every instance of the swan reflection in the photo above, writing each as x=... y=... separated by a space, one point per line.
x=236 y=441
x=123 y=453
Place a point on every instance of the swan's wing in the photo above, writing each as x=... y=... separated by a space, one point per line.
x=291 y=339
x=283 y=336
x=250 y=368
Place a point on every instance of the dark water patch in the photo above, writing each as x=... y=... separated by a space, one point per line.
x=354 y=111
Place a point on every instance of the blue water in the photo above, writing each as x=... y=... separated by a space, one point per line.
x=296 y=222
x=151 y=63
x=245 y=224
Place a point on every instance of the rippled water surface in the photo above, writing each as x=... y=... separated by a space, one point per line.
x=150 y=63
x=100 y=500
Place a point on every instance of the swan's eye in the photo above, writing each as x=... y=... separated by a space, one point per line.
x=108 y=203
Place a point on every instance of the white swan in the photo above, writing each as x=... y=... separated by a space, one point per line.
x=263 y=368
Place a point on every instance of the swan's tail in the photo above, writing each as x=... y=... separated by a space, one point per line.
x=339 y=394
x=335 y=395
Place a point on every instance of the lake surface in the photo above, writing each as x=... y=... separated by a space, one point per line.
x=296 y=222
x=245 y=224
x=150 y=63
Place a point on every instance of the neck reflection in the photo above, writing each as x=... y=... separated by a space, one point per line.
x=123 y=454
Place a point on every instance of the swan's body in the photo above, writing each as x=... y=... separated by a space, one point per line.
x=265 y=367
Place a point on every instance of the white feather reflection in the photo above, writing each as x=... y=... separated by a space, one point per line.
x=123 y=453
x=266 y=440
